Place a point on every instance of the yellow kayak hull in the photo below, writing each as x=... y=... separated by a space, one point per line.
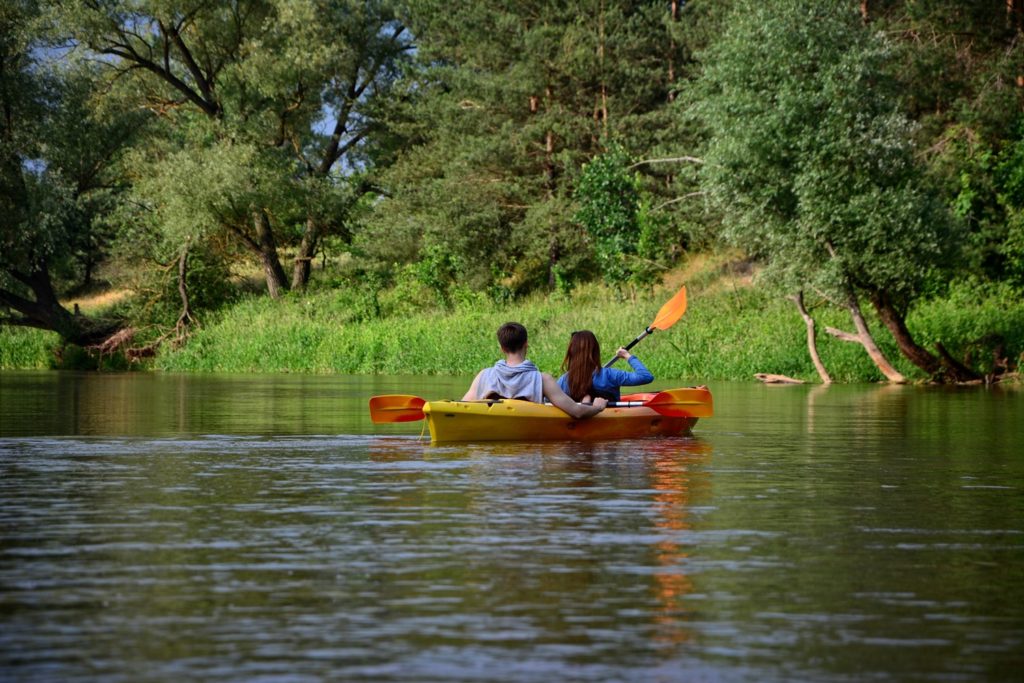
x=513 y=420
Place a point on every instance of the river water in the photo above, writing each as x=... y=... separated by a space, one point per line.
x=261 y=528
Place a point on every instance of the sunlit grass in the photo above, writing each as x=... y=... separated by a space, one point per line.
x=732 y=329
x=97 y=302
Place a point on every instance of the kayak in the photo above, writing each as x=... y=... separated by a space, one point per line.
x=514 y=420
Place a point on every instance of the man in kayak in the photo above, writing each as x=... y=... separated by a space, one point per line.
x=517 y=377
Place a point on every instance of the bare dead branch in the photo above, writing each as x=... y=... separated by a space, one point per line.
x=843 y=336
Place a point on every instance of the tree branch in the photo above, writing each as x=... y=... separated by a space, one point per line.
x=669 y=160
x=352 y=142
x=688 y=195
x=246 y=238
x=210 y=109
x=190 y=63
x=844 y=336
x=335 y=150
x=12 y=300
x=19 y=322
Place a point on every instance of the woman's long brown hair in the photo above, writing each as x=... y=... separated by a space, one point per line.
x=582 y=359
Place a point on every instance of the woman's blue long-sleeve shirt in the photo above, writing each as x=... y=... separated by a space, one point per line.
x=608 y=380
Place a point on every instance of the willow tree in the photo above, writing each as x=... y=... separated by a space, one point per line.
x=296 y=81
x=812 y=165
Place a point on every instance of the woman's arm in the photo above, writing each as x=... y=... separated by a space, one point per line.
x=640 y=374
x=563 y=402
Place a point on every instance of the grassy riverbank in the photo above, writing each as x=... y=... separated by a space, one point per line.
x=731 y=330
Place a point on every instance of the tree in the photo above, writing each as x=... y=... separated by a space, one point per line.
x=511 y=100
x=609 y=202
x=615 y=212
x=296 y=83
x=969 y=116
x=811 y=163
x=57 y=161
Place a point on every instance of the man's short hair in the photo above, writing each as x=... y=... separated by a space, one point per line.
x=512 y=337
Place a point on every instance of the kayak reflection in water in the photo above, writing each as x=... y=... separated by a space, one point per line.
x=585 y=377
x=518 y=378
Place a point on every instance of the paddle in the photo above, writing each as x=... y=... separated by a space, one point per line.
x=671 y=403
x=668 y=315
x=396 y=408
x=688 y=402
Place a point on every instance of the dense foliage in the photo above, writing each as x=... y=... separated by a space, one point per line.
x=400 y=156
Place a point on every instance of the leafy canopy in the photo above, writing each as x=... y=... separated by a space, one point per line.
x=810 y=160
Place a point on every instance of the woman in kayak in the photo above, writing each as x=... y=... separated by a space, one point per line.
x=584 y=376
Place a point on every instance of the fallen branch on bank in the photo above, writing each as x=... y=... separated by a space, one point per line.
x=768 y=378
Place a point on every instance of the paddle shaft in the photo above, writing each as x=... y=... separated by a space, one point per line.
x=629 y=346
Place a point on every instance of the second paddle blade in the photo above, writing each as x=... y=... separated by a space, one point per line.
x=689 y=402
x=396 y=408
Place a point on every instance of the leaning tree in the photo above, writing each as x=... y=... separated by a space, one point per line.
x=58 y=166
x=811 y=163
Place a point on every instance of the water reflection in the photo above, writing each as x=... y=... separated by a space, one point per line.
x=665 y=476
x=260 y=528
x=155 y=404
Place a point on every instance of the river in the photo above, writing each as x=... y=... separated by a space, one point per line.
x=260 y=528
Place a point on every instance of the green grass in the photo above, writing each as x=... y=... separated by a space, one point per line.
x=731 y=330
x=725 y=334
x=972 y=321
x=26 y=349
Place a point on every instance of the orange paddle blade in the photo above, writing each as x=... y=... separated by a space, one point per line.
x=671 y=312
x=689 y=402
x=396 y=408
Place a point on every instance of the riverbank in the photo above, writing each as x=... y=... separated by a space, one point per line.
x=731 y=330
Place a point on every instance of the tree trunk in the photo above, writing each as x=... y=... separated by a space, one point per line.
x=186 y=318
x=812 y=342
x=277 y=281
x=894 y=321
x=550 y=172
x=954 y=368
x=879 y=359
x=46 y=313
x=673 y=18
x=550 y=185
x=915 y=353
x=864 y=338
x=603 y=105
x=553 y=255
x=304 y=259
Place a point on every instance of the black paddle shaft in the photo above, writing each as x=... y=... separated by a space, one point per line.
x=629 y=346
